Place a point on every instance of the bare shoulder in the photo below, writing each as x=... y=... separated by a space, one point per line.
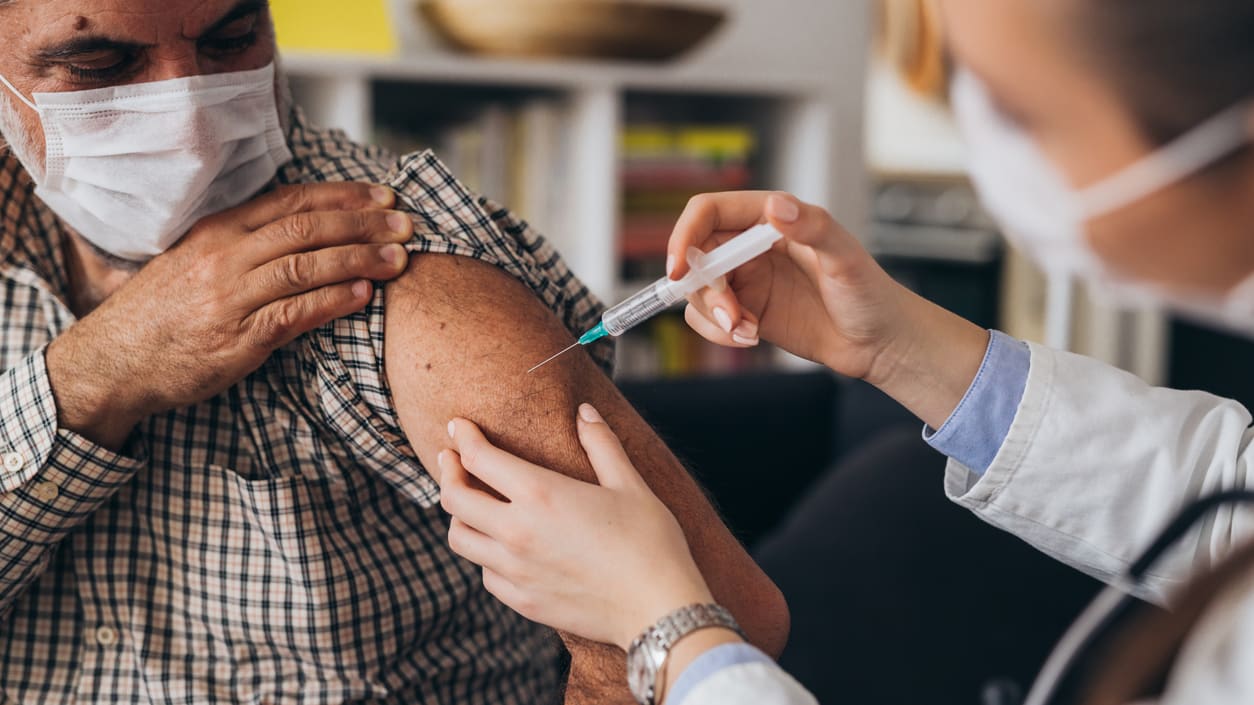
x=460 y=336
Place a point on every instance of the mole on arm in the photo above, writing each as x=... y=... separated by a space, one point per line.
x=428 y=367
x=80 y=23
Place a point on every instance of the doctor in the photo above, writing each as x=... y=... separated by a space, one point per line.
x=1112 y=140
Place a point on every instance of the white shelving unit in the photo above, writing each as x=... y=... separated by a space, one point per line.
x=804 y=86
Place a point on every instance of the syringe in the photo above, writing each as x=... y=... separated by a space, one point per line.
x=706 y=268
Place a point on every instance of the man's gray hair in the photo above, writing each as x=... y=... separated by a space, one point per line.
x=14 y=137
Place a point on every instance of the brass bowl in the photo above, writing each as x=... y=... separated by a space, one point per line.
x=602 y=29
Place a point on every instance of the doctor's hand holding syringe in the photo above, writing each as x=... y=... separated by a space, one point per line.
x=571 y=554
x=820 y=295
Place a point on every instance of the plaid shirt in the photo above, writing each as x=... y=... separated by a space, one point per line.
x=280 y=543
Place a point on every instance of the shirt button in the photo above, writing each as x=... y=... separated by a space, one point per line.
x=45 y=491
x=13 y=461
x=106 y=636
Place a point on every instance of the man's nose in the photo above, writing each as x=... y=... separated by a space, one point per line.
x=175 y=63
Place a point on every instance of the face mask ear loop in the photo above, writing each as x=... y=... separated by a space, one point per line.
x=1199 y=148
x=13 y=89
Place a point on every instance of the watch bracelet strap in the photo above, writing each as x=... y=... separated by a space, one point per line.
x=669 y=630
x=686 y=620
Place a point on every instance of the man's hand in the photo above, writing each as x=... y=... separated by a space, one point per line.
x=202 y=316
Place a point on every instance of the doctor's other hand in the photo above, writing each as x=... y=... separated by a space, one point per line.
x=203 y=315
x=820 y=295
x=603 y=562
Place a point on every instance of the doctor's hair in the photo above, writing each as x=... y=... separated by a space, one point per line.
x=1138 y=660
x=1174 y=63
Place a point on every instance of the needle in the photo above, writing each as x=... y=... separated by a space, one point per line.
x=551 y=359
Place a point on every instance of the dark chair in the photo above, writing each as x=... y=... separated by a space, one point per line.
x=898 y=596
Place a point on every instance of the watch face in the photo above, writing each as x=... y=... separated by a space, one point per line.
x=640 y=674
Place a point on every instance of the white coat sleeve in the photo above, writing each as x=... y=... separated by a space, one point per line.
x=1097 y=462
x=756 y=683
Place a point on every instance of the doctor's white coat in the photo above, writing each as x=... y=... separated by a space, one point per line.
x=1095 y=465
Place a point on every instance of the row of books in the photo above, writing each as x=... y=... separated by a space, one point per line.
x=512 y=153
x=663 y=167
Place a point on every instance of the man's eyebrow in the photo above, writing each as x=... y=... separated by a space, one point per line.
x=240 y=11
x=79 y=46
x=85 y=45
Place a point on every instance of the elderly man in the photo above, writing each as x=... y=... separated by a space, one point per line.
x=214 y=426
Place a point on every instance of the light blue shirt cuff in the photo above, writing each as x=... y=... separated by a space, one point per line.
x=978 y=427
x=710 y=663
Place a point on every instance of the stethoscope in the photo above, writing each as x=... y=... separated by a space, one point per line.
x=1066 y=666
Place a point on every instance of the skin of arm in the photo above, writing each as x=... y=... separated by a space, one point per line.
x=460 y=337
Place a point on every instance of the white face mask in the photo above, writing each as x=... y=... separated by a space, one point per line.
x=132 y=168
x=1041 y=214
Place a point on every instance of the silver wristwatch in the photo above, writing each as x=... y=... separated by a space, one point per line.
x=648 y=653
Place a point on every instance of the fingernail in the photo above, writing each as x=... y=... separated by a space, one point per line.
x=744 y=340
x=747 y=330
x=670 y=265
x=382 y=195
x=719 y=285
x=439 y=459
x=786 y=210
x=452 y=429
x=724 y=320
x=392 y=254
x=400 y=223
x=361 y=289
x=588 y=413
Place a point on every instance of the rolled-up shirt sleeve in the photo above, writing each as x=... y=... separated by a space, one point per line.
x=978 y=427
x=51 y=479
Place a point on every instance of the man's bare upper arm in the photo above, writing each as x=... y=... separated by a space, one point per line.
x=460 y=338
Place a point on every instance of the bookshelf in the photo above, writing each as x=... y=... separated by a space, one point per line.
x=804 y=106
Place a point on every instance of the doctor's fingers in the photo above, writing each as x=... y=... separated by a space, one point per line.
x=709 y=325
x=515 y=479
x=720 y=305
x=301 y=198
x=710 y=214
x=813 y=227
x=613 y=467
x=503 y=589
x=306 y=271
x=477 y=547
x=315 y=230
x=461 y=498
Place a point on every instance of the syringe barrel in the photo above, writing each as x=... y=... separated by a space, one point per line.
x=642 y=306
x=705 y=269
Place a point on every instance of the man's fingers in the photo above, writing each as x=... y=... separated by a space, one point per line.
x=313 y=230
x=286 y=200
x=305 y=271
x=613 y=467
x=281 y=322
x=511 y=476
x=463 y=500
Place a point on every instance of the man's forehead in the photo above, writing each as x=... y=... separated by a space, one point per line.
x=140 y=21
